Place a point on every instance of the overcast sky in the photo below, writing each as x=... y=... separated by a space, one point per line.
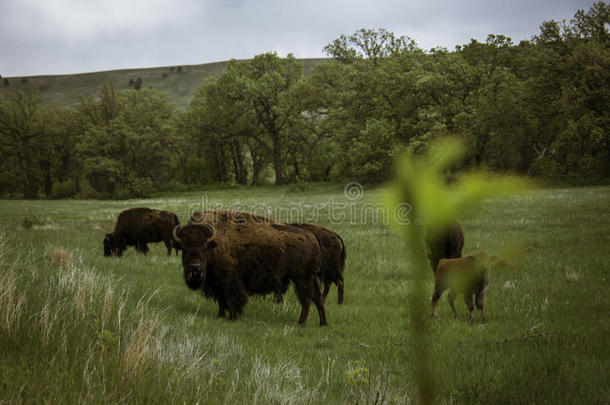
x=72 y=36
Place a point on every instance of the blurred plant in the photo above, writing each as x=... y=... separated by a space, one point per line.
x=421 y=182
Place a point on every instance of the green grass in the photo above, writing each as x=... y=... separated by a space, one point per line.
x=67 y=90
x=128 y=330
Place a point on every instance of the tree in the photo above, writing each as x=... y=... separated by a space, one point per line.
x=252 y=100
x=129 y=143
x=22 y=129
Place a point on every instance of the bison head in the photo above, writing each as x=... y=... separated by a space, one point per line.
x=196 y=240
x=112 y=246
x=108 y=245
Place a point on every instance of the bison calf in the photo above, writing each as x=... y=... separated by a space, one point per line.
x=139 y=226
x=468 y=275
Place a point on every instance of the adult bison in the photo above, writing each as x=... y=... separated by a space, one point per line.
x=444 y=242
x=139 y=226
x=232 y=255
x=332 y=258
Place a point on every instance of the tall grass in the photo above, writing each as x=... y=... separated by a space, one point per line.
x=72 y=335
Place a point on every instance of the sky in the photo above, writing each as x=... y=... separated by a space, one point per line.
x=39 y=37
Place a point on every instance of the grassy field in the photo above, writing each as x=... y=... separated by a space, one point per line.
x=77 y=327
x=178 y=82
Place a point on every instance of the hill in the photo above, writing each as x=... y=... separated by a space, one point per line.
x=178 y=82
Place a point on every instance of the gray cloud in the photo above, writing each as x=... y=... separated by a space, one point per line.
x=68 y=36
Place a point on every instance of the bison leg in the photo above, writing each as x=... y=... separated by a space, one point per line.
x=326 y=289
x=479 y=301
x=451 y=299
x=168 y=245
x=340 y=291
x=305 y=303
x=319 y=301
x=306 y=293
x=235 y=312
x=222 y=307
x=438 y=292
x=236 y=298
x=280 y=289
x=142 y=247
x=435 y=297
x=469 y=300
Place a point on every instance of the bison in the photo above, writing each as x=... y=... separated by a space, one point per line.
x=232 y=255
x=332 y=259
x=139 y=226
x=468 y=275
x=444 y=242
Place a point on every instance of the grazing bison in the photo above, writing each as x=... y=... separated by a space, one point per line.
x=139 y=226
x=332 y=260
x=468 y=275
x=444 y=242
x=231 y=255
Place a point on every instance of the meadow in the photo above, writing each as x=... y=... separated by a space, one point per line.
x=76 y=327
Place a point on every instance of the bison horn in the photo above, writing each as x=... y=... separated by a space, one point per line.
x=211 y=238
x=197 y=218
x=175 y=234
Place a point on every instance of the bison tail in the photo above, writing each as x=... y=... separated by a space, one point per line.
x=343 y=253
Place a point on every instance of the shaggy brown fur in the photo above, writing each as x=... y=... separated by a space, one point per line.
x=139 y=226
x=333 y=258
x=468 y=275
x=444 y=242
x=230 y=255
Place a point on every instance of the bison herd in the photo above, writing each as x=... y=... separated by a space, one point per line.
x=231 y=255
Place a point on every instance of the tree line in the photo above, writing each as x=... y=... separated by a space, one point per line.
x=538 y=108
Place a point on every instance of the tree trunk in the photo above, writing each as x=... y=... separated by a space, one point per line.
x=29 y=182
x=241 y=172
x=45 y=166
x=277 y=160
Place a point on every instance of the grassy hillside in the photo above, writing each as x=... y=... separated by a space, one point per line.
x=76 y=327
x=179 y=82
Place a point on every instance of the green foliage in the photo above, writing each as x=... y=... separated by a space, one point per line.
x=64 y=189
x=371 y=156
x=133 y=187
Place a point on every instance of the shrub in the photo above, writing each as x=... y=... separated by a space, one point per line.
x=65 y=189
x=298 y=187
x=9 y=183
x=173 y=186
x=6 y=82
x=133 y=187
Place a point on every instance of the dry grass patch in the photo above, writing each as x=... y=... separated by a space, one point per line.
x=60 y=257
